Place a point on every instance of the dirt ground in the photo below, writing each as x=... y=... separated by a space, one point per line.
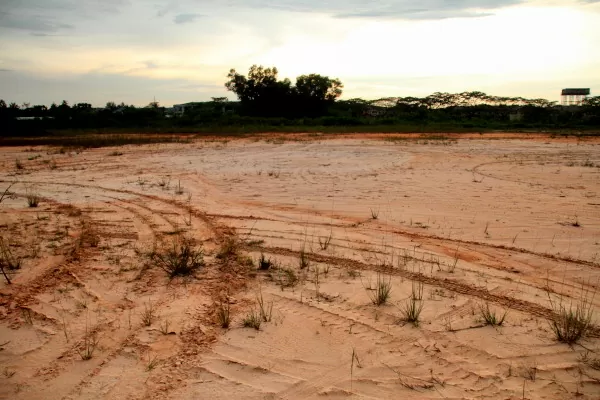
x=454 y=225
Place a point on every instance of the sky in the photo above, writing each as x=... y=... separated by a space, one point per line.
x=178 y=51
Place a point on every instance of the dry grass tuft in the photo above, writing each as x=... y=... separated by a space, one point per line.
x=179 y=258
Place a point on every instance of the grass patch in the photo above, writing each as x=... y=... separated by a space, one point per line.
x=381 y=293
x=148 y=314
x=181 y=258
x=572 y=321
x=490 y=317
x=224 y=314
x=33 y=199
x=411 y=310
x=252 y=320
x=264 y=263
x=228 y=249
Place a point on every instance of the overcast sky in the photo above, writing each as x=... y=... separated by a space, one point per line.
x=181 y=50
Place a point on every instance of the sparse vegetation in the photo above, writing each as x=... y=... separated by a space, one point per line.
x=148 y=314
x=33 y=199
x=573 y=321
x=374 y=213
x=182 y=257
x=303 y=260
x=325 y=241
x=265 y=309
x=252 y=320
x=90 y=343
x=383 y=288
x=490 y=317
x=179 y=188
x=411 y=310
x=18 y=164
x=264 y=263
x=228 y=249
x=224 y=314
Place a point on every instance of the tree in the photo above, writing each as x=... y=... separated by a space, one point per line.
x=260 y=93
x=2 y=104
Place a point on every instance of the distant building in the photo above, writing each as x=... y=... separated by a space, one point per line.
x=179 y=109
x=574 y=97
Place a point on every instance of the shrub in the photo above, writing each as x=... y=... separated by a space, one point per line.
x=381 y=293
x=181 y=258
x=411 y=311
x=489 y=316
x=573 y=322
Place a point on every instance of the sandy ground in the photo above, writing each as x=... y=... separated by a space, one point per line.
x=506 y=223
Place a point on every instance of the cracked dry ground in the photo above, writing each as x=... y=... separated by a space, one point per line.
x=504 y=222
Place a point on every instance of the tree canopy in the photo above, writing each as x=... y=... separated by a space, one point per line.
x=262 y=93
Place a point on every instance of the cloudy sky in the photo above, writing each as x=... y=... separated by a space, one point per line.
x=181 y=50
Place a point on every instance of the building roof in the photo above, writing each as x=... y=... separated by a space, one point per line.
x=576 y=92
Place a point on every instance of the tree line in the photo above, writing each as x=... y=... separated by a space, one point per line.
x=264 y=100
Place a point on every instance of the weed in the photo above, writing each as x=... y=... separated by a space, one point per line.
x=264 y=263
x=381 y=293
x=52 y=164
x=265 y=309
x=374 y=213
x=90 y=343
x=88 y=235
x=452 y=266
x=576 y=222
x=148 y=314
x=6 y=192
x=179 y=188
x=574 y=321
x=7 y=259
x=286 y=277
x=152 y=363
x=592 y=362
x=33 y=200
x=115 y=153
x=411 y=310
x=325 y=241
x=19 y=164
x=303 y=259
x=9 y=373
x=164 y=327
x=228 y=249
x=181 y=258
x=224 y=314
x=417 y=290
x=489 y=316
x=530 y=370
x=252 y=320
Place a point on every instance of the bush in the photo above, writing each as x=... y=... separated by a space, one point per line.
x=181 y=258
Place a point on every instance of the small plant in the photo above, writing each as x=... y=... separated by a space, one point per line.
x=181 y=258
x=576 y=223
x=325 y=241
x=381 y=293
x=489 y=316
x=417 y=290
x=9 y=373
x=252 y=320
x=179 y=188
x=164 y=183
x=228 y=249
x=164 y=327
x=452 y=265
x=224 y=315
x=19 y=164
x=303 y=259
x=286 y=277
x=148 y=314
x=90 y=343
x=115 y=153
x=411 y=311
x=52 y=164
x=574 y=321
x=33 y=200
x=374 y=213
x=265 y=309
x=264 y=263
x=592 y=362
x=152 y=363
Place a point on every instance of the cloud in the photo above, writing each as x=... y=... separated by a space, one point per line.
x=31 y=23
x=186 y=18
x=398 y=9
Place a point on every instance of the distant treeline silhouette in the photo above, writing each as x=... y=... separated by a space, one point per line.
x=266 y=103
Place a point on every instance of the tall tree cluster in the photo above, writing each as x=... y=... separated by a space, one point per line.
x=261 y=93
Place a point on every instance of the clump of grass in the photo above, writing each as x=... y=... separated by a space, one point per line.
x=411 y=310
x=228 y=249
x=265 y=309
x=181 y=258
x=88 y=235
x=224 y=314
x=381 y=293
x=7 y=259
x=178 y=188
x=264 y=263
x=286 y=277
x=303 y=259
x=589 y=360
x=490 y=317
x=325 y=241
x=164 y=327
x=417 y=290
x=252 y=320
x=374 y=213
x=115 y=153
x=148 y=314
x=90 y=343
x=19 y=164
x=33 y=200
x=573 y=321
x=152 y=363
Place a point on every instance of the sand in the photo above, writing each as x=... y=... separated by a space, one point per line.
x=505 y=222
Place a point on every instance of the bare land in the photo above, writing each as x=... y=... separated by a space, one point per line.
x=453 y=226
